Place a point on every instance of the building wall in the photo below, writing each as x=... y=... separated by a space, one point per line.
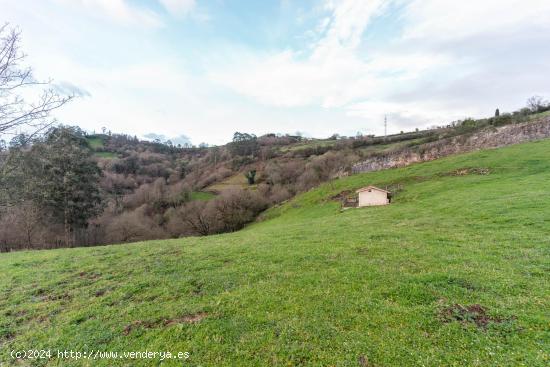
x=374 y=197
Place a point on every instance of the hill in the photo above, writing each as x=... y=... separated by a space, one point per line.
x=453 y=272
x=156 y=190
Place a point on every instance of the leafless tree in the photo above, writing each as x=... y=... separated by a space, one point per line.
x=17 y=80
x=536 y=103
x=198 y=218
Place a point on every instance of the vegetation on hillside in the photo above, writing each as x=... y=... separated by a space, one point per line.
x=155 y=190
x=453 y=273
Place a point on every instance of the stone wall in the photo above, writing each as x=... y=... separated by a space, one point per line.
x=492 y=137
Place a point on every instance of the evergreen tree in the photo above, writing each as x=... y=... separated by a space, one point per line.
x=57 y=175
x=70 y=180
x=251 y=176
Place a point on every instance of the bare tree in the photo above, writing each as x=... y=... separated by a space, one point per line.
x=536 y=103
x=198 y=218
x=16 y=79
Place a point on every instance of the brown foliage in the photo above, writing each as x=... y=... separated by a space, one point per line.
x=133 y=226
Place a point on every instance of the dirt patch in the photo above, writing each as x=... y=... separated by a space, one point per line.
x=475 y=314
x=91 y=276
x=42 y=319
x=364 y=361
x=186 y=319
x=347 y=198
x=469 y=171
x=138 y=323
x=342 y=195
x=39 y=292
x=7 y=335
x=100 y=293
x=20 y=313
x=197 y=287
x=56 y=297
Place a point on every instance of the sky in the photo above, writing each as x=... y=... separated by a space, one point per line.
x=203 y=69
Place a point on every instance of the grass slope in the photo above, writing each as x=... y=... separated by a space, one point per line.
x=201 y=195
x=96 y=143
x=235 y=182
x=314 y=286
x=108 y=155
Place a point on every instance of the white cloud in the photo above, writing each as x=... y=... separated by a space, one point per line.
x=349 y=20
x=421 y=77
x=448 y=19
x=409 y=115
x=178 y=7
x=332 y=75
x=282 y=79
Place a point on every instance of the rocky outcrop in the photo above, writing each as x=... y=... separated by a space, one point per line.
x=493 y=137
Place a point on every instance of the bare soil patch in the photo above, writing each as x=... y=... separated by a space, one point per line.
x=347 y=198
x=475 y=314
x=469 y=171
x=188 y=319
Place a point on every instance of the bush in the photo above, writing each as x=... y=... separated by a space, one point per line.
x=235 y=208
x=131 y=226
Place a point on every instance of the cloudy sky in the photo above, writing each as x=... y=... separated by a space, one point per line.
x=208 y=68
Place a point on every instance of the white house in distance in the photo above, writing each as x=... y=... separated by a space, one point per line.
x=372 y=195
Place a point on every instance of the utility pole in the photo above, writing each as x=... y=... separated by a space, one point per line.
x=385 y=127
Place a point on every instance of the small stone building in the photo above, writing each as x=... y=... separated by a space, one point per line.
x=372 y=195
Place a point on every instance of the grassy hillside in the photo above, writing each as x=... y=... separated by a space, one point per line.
x=453 y=273
x=201 y=195
x=96 y=143
x=237 y=181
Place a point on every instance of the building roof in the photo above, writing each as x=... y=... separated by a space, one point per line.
x=372 y=188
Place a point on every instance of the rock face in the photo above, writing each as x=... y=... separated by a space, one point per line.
x=488 y=138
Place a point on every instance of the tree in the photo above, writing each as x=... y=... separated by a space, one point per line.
x=537 y=104
x=244 y=144
x=250 y=176
x=70 y=180
x=199 y=218
x=15 y=111
x=58 y=175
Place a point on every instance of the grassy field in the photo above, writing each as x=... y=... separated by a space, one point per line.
x=108 y=155
x=95 y=143
x=235 y=182
x=201 y=195
x=454 y=273
x=317 y=143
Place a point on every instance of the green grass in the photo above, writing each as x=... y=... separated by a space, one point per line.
x=314 y=286
x=235 y=182
x=308 y=144
x=95 y=143
x=538 y=116
x=201 y=195
x=108 y=155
